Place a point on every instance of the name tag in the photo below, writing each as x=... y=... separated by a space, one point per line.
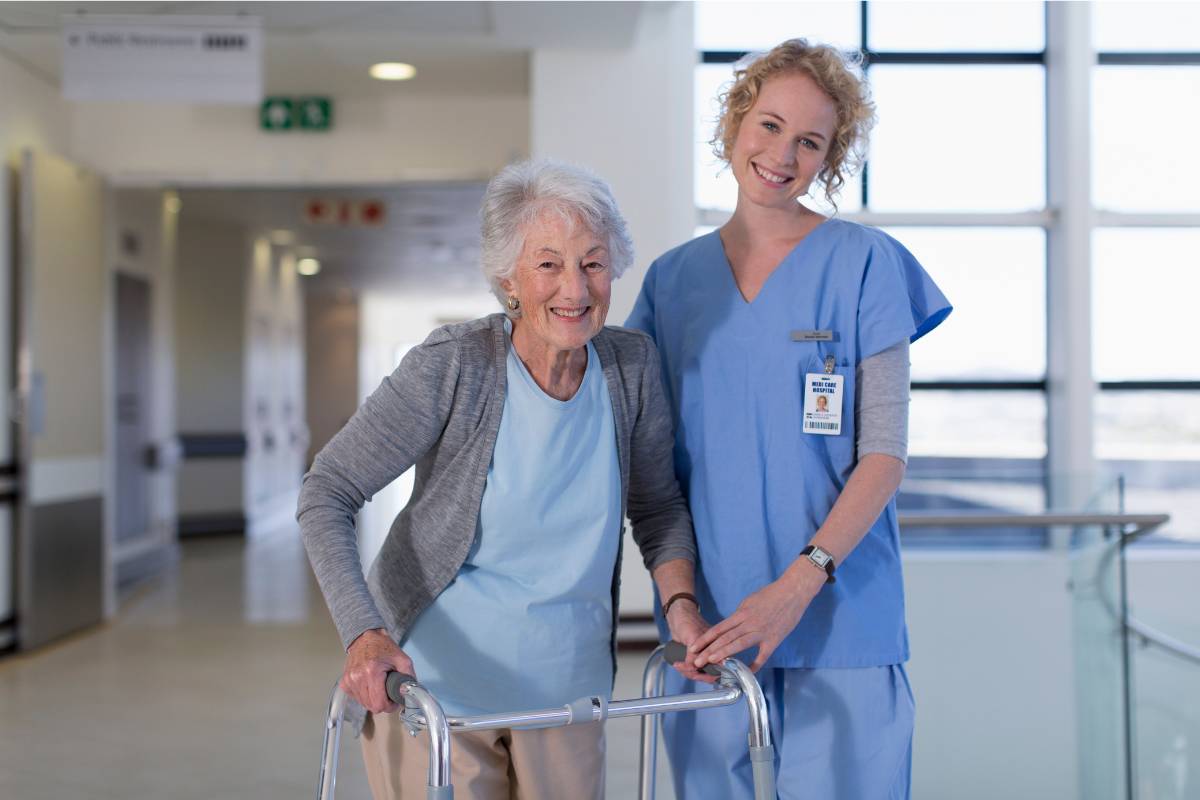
x=812 y=336
x=823 y=403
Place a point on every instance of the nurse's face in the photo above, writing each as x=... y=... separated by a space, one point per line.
x=563 y=279
x=783 y=141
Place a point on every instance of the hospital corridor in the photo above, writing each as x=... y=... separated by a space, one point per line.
x=630 y=400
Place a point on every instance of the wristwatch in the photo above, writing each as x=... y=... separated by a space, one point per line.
x=821 y=559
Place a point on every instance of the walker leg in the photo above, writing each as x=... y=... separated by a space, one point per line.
x=762 y=752
x=762 y=765
x=326 y=783
x=652 y=686
x=439 y=787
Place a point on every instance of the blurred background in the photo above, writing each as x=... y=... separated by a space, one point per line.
x=221 y=224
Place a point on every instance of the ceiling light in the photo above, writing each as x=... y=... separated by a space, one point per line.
x=393 y=71
x=173 y=203
x=308 y=266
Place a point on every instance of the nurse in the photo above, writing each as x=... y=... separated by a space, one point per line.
x=784 y=340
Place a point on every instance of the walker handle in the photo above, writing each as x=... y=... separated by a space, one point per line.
x=394 y=681
x=675 y=652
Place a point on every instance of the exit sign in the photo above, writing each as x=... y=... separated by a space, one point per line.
x=296 y=113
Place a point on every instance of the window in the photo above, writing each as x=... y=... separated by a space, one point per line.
x=958 y=138
x=1145 y=267
x=996 y=278
x=1145 y=121
x=951 y=81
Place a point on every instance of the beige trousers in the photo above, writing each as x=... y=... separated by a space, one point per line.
x=547 y=764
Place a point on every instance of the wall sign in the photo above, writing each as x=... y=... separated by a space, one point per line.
x=280 y=113
x=163 y=58
x=342 y=211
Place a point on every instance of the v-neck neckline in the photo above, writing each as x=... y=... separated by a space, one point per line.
x=728 y=265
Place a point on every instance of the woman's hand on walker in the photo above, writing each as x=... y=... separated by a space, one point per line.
x=368 y=661
x=763 y=619
x=686 y=626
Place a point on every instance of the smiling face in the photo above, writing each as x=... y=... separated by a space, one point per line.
x=563 y=279
x=782 y=141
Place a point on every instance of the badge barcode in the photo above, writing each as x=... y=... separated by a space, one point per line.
x=823 y=426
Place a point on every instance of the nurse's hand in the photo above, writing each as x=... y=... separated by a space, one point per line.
x=686 y=626
x=368 y=661
x=763 y=619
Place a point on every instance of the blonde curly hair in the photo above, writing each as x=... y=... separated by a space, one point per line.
x=835 y=74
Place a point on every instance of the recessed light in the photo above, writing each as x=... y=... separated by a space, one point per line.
x=393 y=71
x=308 y=266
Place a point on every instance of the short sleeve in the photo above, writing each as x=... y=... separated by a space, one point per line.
x=898 y=299
x=642 y=316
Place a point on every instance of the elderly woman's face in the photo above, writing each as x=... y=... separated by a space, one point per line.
x=783 y=141
x=563 y=279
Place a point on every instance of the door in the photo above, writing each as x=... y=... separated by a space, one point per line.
x=8 y=470
x=132 y=432
x=61 y=299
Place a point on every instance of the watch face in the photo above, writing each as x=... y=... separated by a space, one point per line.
x=819 y=557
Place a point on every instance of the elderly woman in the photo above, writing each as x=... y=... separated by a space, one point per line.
x=533 y=433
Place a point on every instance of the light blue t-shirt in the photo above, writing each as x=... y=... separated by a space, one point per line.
x=758 y=486
x=528 y=621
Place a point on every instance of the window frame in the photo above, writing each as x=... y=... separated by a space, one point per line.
x=1068 y=234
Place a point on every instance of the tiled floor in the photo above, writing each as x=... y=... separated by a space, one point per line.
x=211 y=683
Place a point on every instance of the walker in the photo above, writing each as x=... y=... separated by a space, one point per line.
x=734 y=682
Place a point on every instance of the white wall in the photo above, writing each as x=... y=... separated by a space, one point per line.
x=210 y=332
x=993 y=672
x=331 y=325
x=627 y=114
x=32 y=114
x=373 y=140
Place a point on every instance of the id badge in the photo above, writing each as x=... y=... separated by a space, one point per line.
x=823 y=403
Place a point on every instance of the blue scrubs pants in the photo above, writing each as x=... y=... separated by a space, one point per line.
x=839 y=734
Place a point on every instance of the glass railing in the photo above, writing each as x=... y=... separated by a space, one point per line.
x=1137 y=687
x=1163 y=673
x=1101 y=664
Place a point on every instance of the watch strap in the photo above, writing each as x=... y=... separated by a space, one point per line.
x=829 y=565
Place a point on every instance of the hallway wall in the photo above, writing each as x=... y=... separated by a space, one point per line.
x=210 y=333
x=627 y=114
x=31 y=115
x=373 y=140
x=331 y=325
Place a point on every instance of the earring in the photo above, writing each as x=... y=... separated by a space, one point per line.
x=513 y=304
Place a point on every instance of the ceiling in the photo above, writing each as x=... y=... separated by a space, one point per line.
x=428 y=241
x=466 y=48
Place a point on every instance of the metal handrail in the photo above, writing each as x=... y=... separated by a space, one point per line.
x=989 y=519
x=1132 y=527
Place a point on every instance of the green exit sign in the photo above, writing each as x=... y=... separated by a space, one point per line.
x=296 y=113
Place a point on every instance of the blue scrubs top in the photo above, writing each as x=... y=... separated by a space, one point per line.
x=758 y=486
x=527 y=623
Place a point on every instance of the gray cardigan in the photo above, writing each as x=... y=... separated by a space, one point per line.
x=440 y=410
